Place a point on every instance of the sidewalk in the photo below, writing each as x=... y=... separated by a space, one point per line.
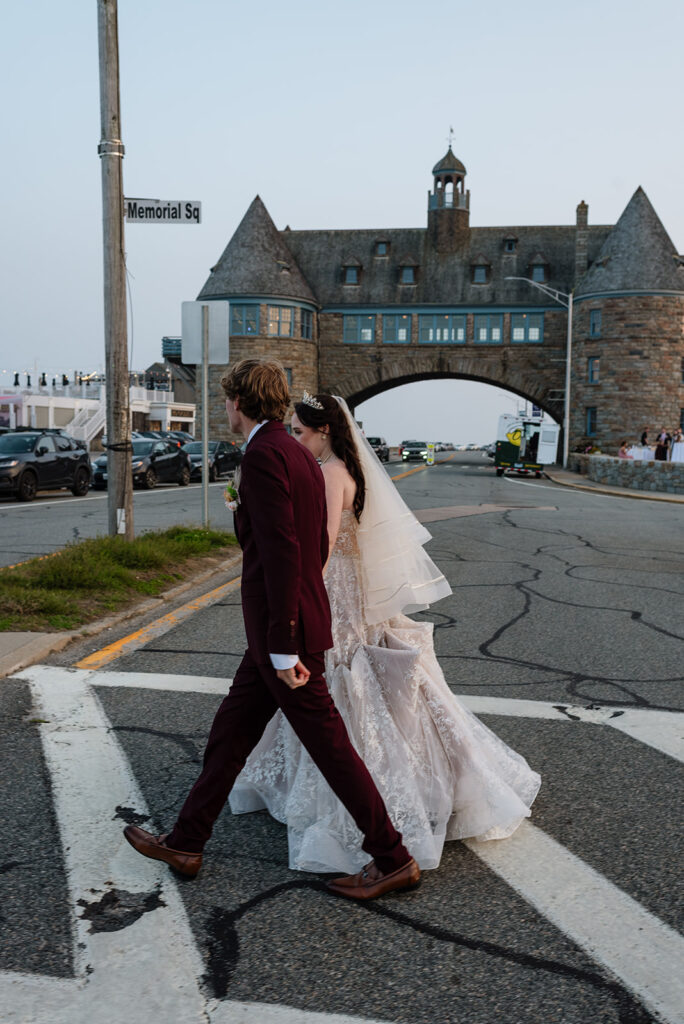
x=581 y=483
x=19 y=650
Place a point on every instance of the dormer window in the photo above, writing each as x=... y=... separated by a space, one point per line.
x=382 y=248
x=510 y=243
x=408 y=270
x=539 y=268
x=480 y=270
x=351 y=271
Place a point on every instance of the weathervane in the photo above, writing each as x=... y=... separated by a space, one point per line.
x=451 y=135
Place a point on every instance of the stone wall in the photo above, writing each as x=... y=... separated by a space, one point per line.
x=632 y=473
x=640 y=382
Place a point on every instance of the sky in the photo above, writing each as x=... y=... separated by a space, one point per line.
x=334 y=114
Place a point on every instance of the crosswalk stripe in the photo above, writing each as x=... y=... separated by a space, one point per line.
x=149 y=970
x=662 y=730
x=612 y=927
x=153 y=966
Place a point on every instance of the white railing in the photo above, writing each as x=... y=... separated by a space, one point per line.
x=88 y=423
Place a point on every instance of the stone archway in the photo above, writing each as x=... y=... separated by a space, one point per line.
x=538 y=381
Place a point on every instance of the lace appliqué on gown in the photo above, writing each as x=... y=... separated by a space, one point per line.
x=441 y=772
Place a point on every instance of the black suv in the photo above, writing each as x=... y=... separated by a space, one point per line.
x=379 y=446
x=414 y=450
x=39 y=460
x=152 y=461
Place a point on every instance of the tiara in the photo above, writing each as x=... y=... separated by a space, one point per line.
x=312 y=401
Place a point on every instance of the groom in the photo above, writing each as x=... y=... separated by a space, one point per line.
x=281 y=525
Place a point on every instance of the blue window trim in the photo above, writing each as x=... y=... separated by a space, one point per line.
x=591 y=420
x=355 y=323
x=493 y=321
x=593 y=363
x=239 y=309
x=481 y=269
x=306 y=317
x=411 y=271
x=393 y=328
x=456 y=322
x=595 y=323
x=527 y=324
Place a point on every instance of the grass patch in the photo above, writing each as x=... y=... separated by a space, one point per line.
x=96 y=577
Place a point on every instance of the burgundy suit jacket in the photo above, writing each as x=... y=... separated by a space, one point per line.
x=281 y=525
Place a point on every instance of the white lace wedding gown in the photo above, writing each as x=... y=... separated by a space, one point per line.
x=442 y=773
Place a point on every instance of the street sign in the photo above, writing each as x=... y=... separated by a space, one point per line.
x=191 y=331
x=162 y=211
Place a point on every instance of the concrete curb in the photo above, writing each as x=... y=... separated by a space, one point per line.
x=565 y=480
x=19 y=650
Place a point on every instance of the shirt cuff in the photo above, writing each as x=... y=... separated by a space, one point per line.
x=283 y=661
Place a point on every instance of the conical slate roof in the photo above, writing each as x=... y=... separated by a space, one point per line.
x=449 y=162
x=637 y=255
x=257 y=261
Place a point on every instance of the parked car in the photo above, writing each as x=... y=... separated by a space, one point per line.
x=379 y=446
x=153 y=461
x=223 y=456
x=37 y=460
x=414 y=451
x=183 y=436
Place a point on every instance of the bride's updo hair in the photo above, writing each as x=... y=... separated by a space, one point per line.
x=341 y=440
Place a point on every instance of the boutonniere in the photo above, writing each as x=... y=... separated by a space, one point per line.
x=231 y=494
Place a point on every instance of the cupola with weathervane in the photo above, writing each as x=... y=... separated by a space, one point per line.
x=448 y=205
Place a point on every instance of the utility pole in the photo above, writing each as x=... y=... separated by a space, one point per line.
x=111 y=152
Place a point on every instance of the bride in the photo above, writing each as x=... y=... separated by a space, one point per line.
x=442 y=773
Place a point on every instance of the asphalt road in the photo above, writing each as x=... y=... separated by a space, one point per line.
x=563 y=631
x=56 y=518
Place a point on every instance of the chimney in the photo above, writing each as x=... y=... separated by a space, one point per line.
x=581 y=241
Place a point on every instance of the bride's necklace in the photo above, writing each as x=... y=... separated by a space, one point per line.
x=322 y=462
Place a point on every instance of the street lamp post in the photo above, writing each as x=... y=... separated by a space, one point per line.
x=564 y=299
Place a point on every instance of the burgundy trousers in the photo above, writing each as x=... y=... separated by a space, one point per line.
x=240 y=721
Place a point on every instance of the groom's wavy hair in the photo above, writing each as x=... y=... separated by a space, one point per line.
x=261 y=386
x=341 y=440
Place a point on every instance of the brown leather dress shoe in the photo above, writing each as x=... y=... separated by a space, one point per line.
x=371 y=883
x=154 y=848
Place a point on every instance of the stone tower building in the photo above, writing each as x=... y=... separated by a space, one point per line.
x=628 y=333
x=356 y=312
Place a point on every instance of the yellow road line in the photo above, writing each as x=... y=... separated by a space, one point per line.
x=157 y=628
x=417 y=469
x=400 y=476
x=36 y=558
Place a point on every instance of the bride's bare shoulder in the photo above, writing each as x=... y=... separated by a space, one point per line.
x=335 y=471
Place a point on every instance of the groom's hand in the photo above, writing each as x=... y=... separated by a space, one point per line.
x=294 y=677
